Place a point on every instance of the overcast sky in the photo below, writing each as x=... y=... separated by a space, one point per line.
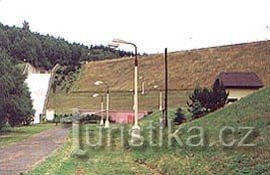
x=151 y=24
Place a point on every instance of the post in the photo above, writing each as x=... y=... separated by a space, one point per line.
x=143 y=87
x=160 y=101
x=166 y=90
x=107 y=122
x=136 y=88
x=101 y=111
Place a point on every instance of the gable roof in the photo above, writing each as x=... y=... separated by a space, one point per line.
x=240 y=80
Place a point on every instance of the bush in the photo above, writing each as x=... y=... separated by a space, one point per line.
x=6 y=128
x=180 y=117
x=204 y=100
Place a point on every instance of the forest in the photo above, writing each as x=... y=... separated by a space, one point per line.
x=44 y=51
x=18 y=45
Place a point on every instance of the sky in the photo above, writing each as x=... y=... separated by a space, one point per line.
x=151 y=24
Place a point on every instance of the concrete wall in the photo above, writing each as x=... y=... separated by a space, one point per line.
x=50 y=114
x=38 y=84
x=239 y=93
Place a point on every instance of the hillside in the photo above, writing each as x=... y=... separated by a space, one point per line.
x=186 y=68
x=45 y=51
x=212 y=158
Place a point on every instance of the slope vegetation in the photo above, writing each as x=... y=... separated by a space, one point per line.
x=211 y=158
x=186 y=68
x=214 y=158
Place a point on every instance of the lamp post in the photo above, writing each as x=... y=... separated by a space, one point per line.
x=107 y=122
x=136 y=128
x=101 y=108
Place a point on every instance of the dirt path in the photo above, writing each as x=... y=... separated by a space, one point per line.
x=23 y=156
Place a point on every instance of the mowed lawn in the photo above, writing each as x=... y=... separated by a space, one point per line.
x=64 y=102
x=178 y=157
x=18 y=134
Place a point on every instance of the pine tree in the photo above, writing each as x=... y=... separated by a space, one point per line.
x=180 y=117
x=204 y=100
x=15 y=102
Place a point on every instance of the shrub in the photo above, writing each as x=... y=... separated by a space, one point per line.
x=180 y=117
x=204 y=100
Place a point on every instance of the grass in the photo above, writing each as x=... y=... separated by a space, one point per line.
x=63 y=103
x=186 y=68
x=211 y=158
x=18 y=134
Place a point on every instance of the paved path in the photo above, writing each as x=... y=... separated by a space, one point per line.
x=24 y=155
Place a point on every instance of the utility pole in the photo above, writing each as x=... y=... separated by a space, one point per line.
x=166 y=90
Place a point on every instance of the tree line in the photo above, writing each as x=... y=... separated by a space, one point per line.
x=44 y=51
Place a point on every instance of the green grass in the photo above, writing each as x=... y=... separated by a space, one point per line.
x=63 y=102
x=18 y=134
x=212 y=158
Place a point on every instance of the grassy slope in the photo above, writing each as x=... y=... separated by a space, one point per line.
x=63 y=103
x=186 y=70
x=251 y=111
x=21 y=133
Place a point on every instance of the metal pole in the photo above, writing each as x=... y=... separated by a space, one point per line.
x=107 y=122
x=136 y=88
x=166 y=90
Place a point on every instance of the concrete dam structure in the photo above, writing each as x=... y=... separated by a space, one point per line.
x=39 y=83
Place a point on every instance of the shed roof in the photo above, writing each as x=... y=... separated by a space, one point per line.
x=240 y=80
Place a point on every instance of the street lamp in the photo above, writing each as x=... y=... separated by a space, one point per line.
x=136 y=128
x=107 y=122
x=101 y=108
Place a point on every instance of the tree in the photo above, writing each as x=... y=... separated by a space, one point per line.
x=196 y=109
x=220 y=95
x=204 y=100
x=15 y=102
x=26 y=25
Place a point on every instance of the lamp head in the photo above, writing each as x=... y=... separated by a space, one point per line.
x=113 y=45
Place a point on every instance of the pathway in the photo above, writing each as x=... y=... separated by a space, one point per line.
x=23 y=156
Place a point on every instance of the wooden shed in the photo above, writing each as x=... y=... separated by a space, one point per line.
x=240 y=84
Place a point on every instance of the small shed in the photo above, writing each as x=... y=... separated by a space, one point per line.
x=50 y=114
x=240 y=84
